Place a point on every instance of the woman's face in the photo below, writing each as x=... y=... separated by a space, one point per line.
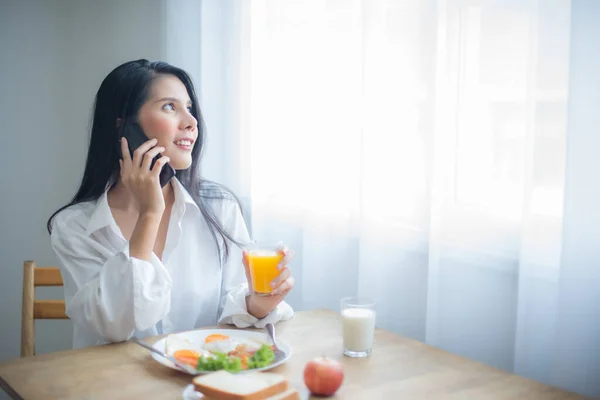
x=166 y=116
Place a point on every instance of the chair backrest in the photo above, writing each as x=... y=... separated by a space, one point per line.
x=38 y=309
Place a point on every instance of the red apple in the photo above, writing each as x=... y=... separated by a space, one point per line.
x=323 y=376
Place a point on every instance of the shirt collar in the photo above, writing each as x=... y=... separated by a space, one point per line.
x=183 y=199
x=102 y=216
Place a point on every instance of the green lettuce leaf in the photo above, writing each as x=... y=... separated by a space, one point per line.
x=263 y=357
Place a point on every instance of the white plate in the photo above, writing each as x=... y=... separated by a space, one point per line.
x=198 y=336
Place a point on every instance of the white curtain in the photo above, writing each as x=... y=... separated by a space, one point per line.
x=412 y=151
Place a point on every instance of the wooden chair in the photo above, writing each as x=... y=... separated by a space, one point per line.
x=38 y=309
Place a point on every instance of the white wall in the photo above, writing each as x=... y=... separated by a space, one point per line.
x=34 y=180
x=54 y=55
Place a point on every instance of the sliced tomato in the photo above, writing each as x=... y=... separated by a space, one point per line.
x=244 y=362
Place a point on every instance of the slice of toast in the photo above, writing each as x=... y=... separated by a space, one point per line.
x=222 y=385
x=290 y=394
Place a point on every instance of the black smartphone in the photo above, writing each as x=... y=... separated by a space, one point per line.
x=135 y=136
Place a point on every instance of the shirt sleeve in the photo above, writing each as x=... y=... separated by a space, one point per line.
x=109 y=294
x=235 y=285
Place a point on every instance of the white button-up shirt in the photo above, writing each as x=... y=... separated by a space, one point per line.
x=111 y=296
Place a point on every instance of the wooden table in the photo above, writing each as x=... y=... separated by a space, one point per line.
x=399 y=368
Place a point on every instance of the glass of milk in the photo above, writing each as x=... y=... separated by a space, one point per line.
x=358 y=325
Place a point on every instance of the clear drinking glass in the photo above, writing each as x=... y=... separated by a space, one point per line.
x=358 y=325
x=263 y=258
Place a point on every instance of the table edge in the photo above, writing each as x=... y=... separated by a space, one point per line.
x=9 y=390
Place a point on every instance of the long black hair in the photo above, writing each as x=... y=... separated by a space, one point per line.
x=120 y=96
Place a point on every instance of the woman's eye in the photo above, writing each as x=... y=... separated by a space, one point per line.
x=189 y=108
x=169 y=106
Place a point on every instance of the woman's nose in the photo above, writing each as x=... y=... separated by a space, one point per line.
x=190 y=123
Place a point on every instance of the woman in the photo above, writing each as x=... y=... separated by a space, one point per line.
x=141 y=259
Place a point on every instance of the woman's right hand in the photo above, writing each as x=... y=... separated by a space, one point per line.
x=143 y=182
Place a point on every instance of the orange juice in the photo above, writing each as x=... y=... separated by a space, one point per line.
x=263 y=269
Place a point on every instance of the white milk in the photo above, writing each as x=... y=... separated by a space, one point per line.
x=358 y=325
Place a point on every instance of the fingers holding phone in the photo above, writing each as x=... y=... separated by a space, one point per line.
x=142 y=181
x=159 y=166
x=149 y=155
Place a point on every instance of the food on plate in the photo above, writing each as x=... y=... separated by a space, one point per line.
x=225 y=344
x=323 y=376
x=251 y=386
x=221 y=352
x=184 y=350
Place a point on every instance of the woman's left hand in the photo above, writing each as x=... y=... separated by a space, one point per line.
x=261 y=306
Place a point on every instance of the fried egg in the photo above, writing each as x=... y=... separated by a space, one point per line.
x=224 y=344
x=174 y=344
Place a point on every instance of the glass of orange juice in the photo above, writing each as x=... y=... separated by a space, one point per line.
x=263 y=258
